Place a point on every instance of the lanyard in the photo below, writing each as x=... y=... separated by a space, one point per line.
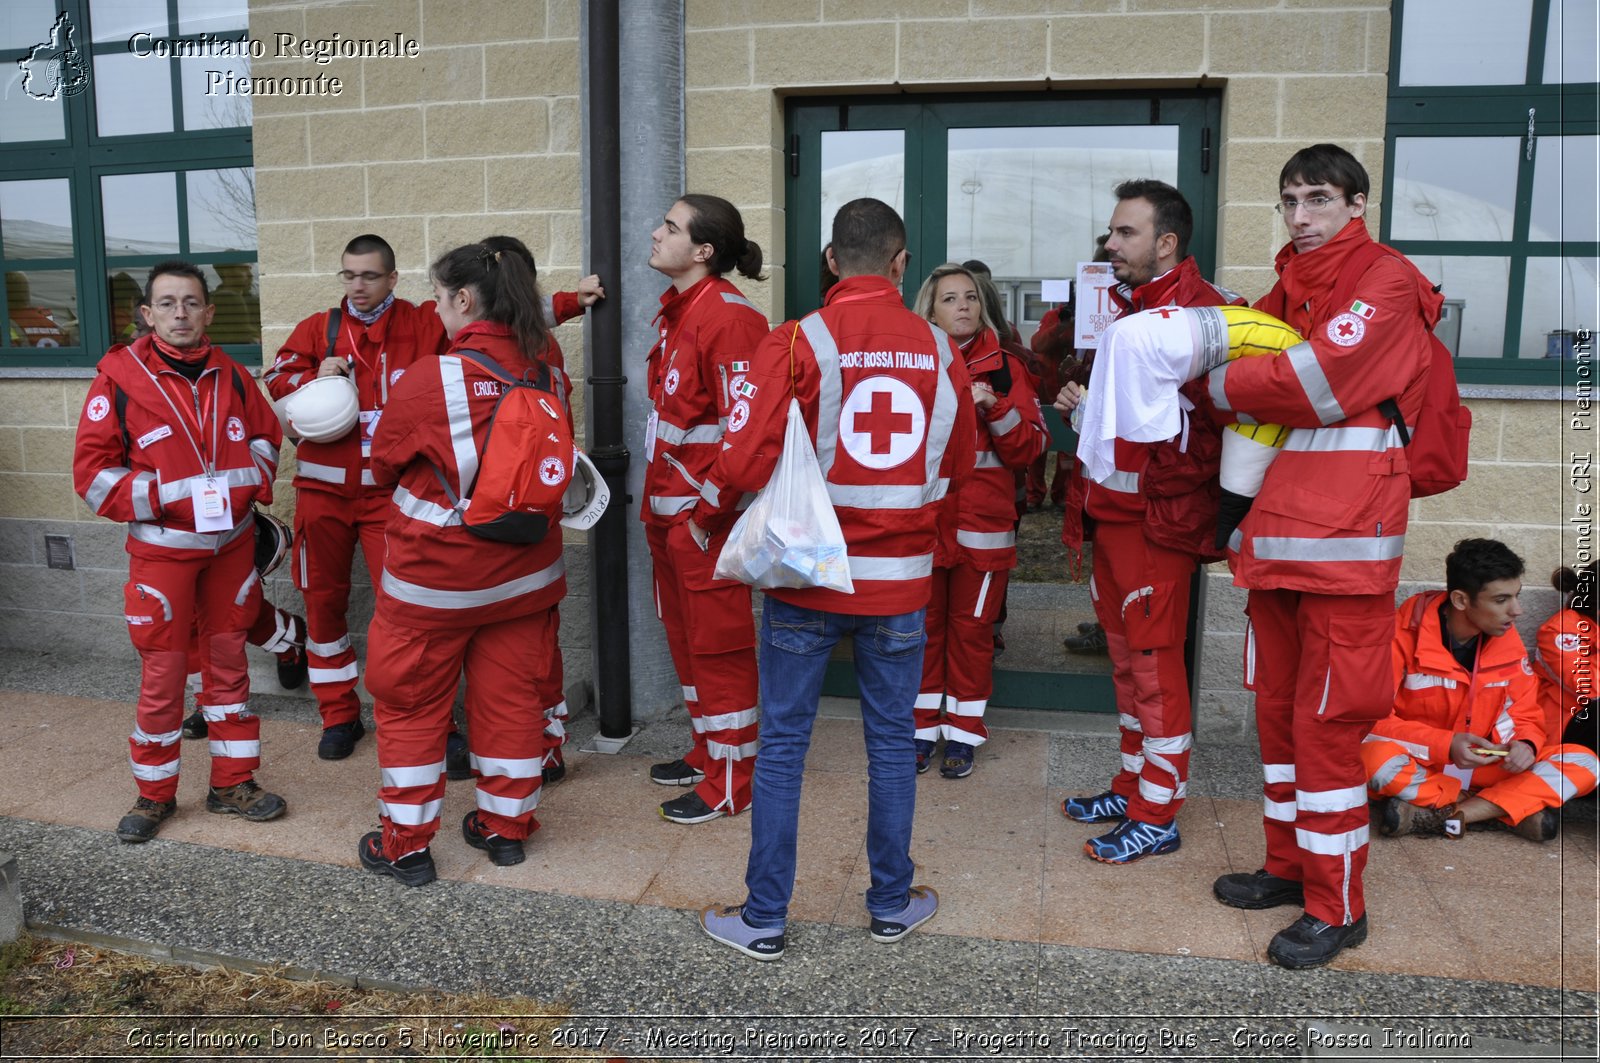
x=355 y=358
x=183 y=420
x=687 y=312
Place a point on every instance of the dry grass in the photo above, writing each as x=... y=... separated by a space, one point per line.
x=59 y=999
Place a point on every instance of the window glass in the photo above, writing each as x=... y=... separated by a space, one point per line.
x=42 y=308
x=132 y=94
x=212 y=16
x=1454 y=188
x=861 y=162
x=237 y=297
x=1475 y=302
x=122 y=302
x=221 y=109
x=1566 y=189
x=24 y=118
x=1029 y=201
x=141 y=213
x=36 y=219
x=1569 y=50
x=222 y=215
x=1465 y=42
x=25 y=23
x=115 y=21
x=1561 y=294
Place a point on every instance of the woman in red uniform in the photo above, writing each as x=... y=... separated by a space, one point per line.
x=450 y=601
x=978 y=547
x=1566 y=658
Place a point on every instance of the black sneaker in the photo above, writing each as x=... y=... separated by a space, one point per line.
x=144 y=819
x=247 y=799
x=1257 y=890
x=412 y=869
x=689 y=809
x=1309 y=942
x=292 y=665
x=339 y=741
x=195 y=726
x=675 y=773
x=503 y=852
x=1090 y=643
x=553 y=773
x=457 y=757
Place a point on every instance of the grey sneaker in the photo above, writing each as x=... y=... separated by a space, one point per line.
x=727 y=925
x=921 y=905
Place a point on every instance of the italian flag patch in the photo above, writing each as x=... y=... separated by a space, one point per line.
x=1363 y=310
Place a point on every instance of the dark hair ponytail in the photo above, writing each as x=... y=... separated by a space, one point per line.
x=717 y=222
x=506 y=289
x=1577 y=588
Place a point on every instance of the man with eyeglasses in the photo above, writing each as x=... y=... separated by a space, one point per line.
x=176 y=440
x=1320 y=550
x=371 y=337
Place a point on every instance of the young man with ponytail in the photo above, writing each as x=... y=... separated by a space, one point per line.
x=450 y=601
x=697 y=369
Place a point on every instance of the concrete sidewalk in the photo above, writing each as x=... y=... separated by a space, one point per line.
x=1493 y=936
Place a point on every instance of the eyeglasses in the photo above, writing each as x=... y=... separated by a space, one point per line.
x=170 y=306
x=369 y=277
x=1312 y=204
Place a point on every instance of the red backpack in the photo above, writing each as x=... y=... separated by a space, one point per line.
x=1436 y=446
x=526 y=462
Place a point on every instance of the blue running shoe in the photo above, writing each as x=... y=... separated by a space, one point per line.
x=957 y=760
x=726 y=924
x=1132 y=840
x=922 y=902
x=924 y=754
x=1101 y=808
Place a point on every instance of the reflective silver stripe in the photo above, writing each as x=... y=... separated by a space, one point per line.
x=928 y=701
x=331 y=474
x=1126 y=483
x=968 y=708
x=1170 y=745
x=421 y=509
x=672 y=505
x=988 y=459
x=709 y=492
x=690 y=694
x=1278 y=772
x=918 y=566
x=1364 y=548
x=154 y=772
x=166 y=604
x=1280 y=811
x=1005 y=424
x=720 y=751
x=1133 y=762
x=173 y=490
x=986 y=540
x=411 y=815
x=1129 y=721
x=1552 y=777
x=510 y=807
x=145 y=738
x=1497 y=683
x=333 y=675
x=240 y=750
x=667 y=432
x=250 y=580
x=367 y=479
x=1323 y=440
x=1340 y=800
x=726 y=721
x=509 y=767
x=1388 y=771
x=140 y=491
x=829 y=385
x=411 y=775
x=1416 y=681
x=283 y=638
x=102 y=484
x=432 y=598
x=328 y=649
x=213 y=713
x=883 y=496
x=1162 y=795
x=1217 y=386
x=548 y=306
x=1331 y=844
x=266 y=455
x=1303 y=358
x=738 y=300
x=459 y=411
x=942 y=418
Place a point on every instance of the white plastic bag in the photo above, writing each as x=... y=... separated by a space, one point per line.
x=790 y=536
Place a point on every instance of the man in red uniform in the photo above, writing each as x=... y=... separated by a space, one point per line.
x=697 y=371
x=376 y=337
x=1466 y=741
x=888 y=403
x=1320 y=549
x=177 y=440
x=1153 y=522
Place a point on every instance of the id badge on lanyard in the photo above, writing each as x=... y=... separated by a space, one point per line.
x=213 y=505
x=369 y=428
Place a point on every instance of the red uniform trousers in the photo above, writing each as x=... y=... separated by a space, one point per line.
x=413 y=674
x=712 y=636
x=163 y=599
x=1321 y=670
x=1141 y=598
x=272 y=629
x=958 y=659
x=1561 y=773
x=326 y=529
x=1058 y=486
x=549 y=691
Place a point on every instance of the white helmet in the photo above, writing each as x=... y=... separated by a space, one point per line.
x=273 y=540
x=322 y=410
x=587 y=494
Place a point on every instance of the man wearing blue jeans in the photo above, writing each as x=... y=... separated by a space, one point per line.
x=890 y=411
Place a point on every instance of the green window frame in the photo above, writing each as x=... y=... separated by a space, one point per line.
x=1532 y=112
x=84 y=157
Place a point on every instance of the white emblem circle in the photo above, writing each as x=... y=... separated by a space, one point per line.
x=672 y=382
x=99 y=406
x=552 y=471
x=235 y=429
x=394 y=377
x=739 y=415
x=1347 y=329
x=1567 y=642
x=882 y=445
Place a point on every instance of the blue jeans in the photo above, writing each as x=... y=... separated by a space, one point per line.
x=795 y=644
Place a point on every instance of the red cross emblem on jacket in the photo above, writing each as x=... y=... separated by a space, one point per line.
x=882 y=423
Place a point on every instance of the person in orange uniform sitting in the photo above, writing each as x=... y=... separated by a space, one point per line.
x=1565 y=659
x=1466 y=741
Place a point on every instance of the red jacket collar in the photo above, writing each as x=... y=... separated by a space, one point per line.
x=1314 y=273
x=982 y=353
x=864 y=286
x=1432 y=652
x=1172 y=287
